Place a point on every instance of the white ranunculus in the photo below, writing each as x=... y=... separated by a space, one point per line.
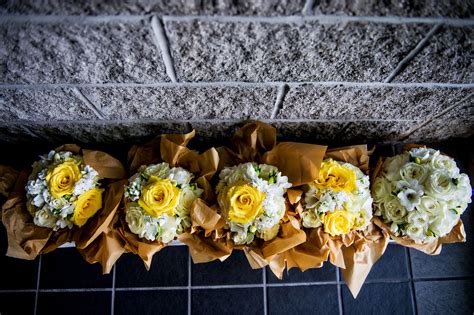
x=186 y=199
x=418 y=218
x=463 y=189
x=393 y=210
x=440 y=185
x=243 y=237
x=415 y=232
x=381 y=189
x=445 y=163
x=160 y=170
x=409 y=198
x=444 y=223
x=135 y=220
x=180 y=176
x=44 y=218
x=392 y=165
x=431 y=205
x=414 y=171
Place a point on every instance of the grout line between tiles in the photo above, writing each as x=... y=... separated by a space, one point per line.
x=112 y=304
x=152 y=288
x=189 y=283
x=412 y=283
x=339 y=292
x=76 y=290
x=37 y=284
x=265 y=299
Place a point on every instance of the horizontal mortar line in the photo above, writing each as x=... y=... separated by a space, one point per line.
x=14 y=18
x=182 y=121
x=151 y=288
x=18 y=291
x=76 y=290
x=325 y=19
x=238 y=84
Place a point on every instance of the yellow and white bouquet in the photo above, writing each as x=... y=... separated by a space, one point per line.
x=421 y=194
x=62 y=191
x=251 y=199
x=339 y=200
x=158 y=201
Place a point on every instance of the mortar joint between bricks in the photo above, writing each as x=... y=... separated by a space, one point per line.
x=162 y=43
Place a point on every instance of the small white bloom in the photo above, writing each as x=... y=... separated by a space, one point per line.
x=414 y=171
x=418 y=218
x=393 y=210
x=180 y=176
x=446 y=164
x=392 y=166
x=415 y=232
x=440 y=185
x=409 y=198
x=44 y=218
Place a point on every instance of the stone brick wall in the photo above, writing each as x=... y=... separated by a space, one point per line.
x=319 y=70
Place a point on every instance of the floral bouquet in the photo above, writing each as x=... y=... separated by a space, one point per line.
x=420 y=196
x=251 y=199
x=339 y=200
x=251 y=211
x=159 y=200
x=62 y=191
x=336 y=211
x=60 y=200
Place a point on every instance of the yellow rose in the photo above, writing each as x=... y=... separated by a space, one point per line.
x=335 y=176
x=87 y=205
x=62 y=178
x=244 y=203
x=338 y=222
x=159 y=197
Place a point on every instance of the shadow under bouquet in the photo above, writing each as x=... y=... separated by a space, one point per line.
x=419 y=197
x=61 y=200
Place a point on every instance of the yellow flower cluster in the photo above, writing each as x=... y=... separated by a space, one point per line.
x=336 y=177
x=244 y=203
x=159 y=197
x=338 y=222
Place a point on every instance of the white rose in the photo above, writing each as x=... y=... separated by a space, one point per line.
x=440 y=185
x=310 y=219
x=418 y=218
x=392 y=166
x=186 y=199
x=414 y=171
x=381 y=189
x=135 y=220
x=180 y=176
x=243 y=237
x=443 y=223
x=45 y=219
x=432 y=206
x=150 y=231
x=415 y=232
x=393 y=210
x=168 y=225
x=463 y=189
x=160 y=170
x=445 y=163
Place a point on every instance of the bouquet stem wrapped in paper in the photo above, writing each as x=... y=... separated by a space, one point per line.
x=155 y=210
x=211 y=238
x=354 y=252
x=29 y=237
x=426 y=213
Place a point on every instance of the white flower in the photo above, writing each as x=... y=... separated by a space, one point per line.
x=392 y=166
x=44 y=218
x=446 y=164
x=168 y=225
x=414 y=171
x=310 y=219
x=186 y=199
x=180 y=176
x=135 y=219
x=150 y=231
x=38 y=201
x=409 y=198
x=422 y=155
x=431 y=206
x=418 y=218
x=393 y=210
x=415 y=232
x=381 y=189
x=440 y=185
x=159 y=170
x=444 y=223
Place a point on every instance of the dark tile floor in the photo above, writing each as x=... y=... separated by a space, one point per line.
x=402 y=282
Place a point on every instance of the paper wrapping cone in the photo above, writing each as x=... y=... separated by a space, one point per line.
x=8 y=177
x=169 y=148
x=355 y=253
x=457 y=234
x=255 y=142
x=27 y=241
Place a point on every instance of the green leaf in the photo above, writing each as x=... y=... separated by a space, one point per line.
x=455 y=181
x=454 y=211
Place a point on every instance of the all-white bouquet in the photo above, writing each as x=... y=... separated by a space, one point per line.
x=421 y=194
x=62 y=191
x=339 y=200
x=159 y=200
x=251 y=199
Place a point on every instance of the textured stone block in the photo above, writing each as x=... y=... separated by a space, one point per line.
x=447 y=58
x=175 y=7
x=183 y=102
x=47 y=104
x=341 y=102
x=376 y=131
x=250 y=51
x=318 y=132
x=439 y=130
x=79 y=53
x=445 y=8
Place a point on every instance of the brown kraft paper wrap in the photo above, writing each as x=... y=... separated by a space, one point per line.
x=355 y=253
x=457 y=234
x=8 y=176
x=255 y=142
x=169 y=148
x=27 y=240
